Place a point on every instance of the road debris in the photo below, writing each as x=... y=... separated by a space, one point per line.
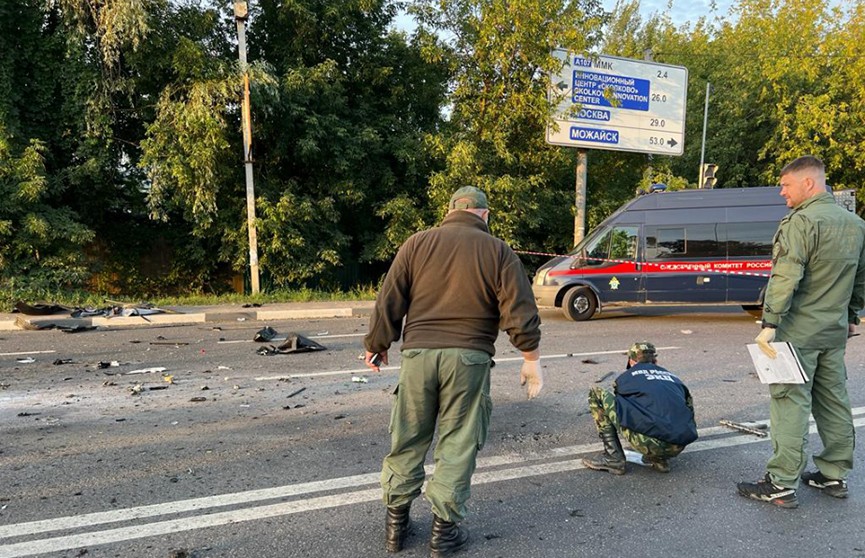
x=360 y=379
x=295 y=343
x=39 y=309
x=604 y=377
x=60 y=361
x=147 y=370
x=301 y=390
x=758 y=430
x=265 y=335
x=198 y=399
x=25 y=360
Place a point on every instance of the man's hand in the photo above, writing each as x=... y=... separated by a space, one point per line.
x=767 y=335
x=530 y=374
x=375 y=360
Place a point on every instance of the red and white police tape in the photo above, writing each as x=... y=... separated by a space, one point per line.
x=707 y=267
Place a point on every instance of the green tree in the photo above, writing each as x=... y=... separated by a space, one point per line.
x=40 y=245
x=340 y=104
x=501 y=62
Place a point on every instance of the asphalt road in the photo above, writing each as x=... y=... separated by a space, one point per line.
x=245 y=455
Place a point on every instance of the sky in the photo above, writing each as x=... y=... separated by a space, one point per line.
x=681 y=11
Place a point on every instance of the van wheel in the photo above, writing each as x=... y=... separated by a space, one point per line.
x=754 y=309
x=579 y=304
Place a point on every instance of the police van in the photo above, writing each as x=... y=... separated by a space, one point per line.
x=708 y=246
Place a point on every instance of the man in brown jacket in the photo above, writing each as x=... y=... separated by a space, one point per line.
x=456 y=286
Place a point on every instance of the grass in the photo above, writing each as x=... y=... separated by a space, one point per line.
x=82 y=299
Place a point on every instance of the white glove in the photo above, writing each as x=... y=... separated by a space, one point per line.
x=530 y=374
x=767 y=335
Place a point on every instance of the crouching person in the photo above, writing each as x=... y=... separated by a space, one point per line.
x=651 y=407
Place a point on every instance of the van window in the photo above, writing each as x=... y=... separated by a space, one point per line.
x=617 y=243
x=689 y=241
x=750 y=239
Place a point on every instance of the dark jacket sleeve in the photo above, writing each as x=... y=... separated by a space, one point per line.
x=517 y=308
x=391 y=305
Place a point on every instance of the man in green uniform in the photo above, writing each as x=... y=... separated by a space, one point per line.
x=456 y=286
x=815 y=293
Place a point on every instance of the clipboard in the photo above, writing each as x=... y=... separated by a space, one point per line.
x=785 y=368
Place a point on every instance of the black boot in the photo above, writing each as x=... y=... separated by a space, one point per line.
x=396 y=528
x=612 y=459
x=447 y=537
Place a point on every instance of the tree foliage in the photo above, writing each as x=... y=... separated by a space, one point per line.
x=121 y=163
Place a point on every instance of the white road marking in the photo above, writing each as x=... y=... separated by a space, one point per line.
x=724 y=438
x=28 y=353
x=498 y=360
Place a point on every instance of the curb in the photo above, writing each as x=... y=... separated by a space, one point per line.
x=21 y=322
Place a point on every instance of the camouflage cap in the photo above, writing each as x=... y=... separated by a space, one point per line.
x=642 y=352
x=468 y=197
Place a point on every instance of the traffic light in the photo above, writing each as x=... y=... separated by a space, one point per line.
x=707 y=175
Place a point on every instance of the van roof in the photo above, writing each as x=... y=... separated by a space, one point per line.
x=707 y=198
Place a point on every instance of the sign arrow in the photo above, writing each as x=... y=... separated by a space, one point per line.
x=672 y=142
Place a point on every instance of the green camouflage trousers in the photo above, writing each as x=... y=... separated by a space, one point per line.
x=602 y=404
x=451 y=388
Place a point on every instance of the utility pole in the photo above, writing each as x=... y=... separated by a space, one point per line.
x=241 y=14
x=703 y=146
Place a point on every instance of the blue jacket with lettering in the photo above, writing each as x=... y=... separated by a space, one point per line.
x=653 y=401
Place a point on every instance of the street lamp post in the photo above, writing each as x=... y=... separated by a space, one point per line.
x=241 y=14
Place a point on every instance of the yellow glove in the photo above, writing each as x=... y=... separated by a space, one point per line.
x=767 y=335
x=530 y=374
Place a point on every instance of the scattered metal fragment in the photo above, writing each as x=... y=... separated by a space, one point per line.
x=147 y=370
x=154 y=388
x=103 y=364
x=198 y=399
x=296 y=392
x=60 y=361
x=25 y=360
x=604 y=377
x=26 y=414
x=359 y=379
x=589 y=361
x=175 y=343
x=758 y=431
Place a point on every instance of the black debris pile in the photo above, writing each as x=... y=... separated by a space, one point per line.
x=265 y=335
x=294 y=343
